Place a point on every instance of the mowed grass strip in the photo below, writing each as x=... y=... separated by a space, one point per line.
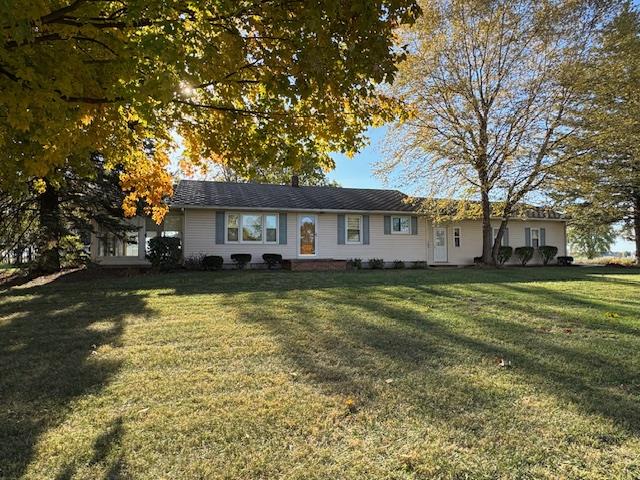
x=380 y=374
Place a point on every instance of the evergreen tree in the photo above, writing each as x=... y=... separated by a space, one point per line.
x=56 y=216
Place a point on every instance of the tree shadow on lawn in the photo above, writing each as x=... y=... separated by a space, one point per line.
x=367 y=336
x=102 y=449
x=190 y=283
x=49 y=342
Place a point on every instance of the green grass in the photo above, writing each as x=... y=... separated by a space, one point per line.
x=388 y=374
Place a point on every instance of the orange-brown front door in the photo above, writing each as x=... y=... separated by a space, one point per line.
x=307 y=234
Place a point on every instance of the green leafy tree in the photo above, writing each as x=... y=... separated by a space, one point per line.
x=245 y=84
x=599 y=181
x=591 y=241
x=486 y=86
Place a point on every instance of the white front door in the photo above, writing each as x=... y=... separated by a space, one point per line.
x=307 y=226
x=439 y=244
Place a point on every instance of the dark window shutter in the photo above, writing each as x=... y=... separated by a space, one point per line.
x=527 y=237
x=282 y=225
x=543 y=237
x=220 y=230
x=341 y=229
x=387 y=224
x=414 y=225
x=365 y=229
x=505 y=237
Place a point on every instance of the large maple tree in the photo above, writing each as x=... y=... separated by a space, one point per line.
x=247 y=84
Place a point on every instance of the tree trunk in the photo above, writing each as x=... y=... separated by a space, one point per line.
x=50 y=230
x=636 y=226
x=487 y=231
x=498 y=241
x=18 y=255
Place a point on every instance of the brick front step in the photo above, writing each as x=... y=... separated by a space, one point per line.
x=315 y=265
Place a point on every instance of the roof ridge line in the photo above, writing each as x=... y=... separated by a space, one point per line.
x=290 y=186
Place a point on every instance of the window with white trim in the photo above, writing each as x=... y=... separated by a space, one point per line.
x=271 y=228
x=535 y=237
x=353 y=227
x=457 y=238
x=233 y=227
x=252 y=228
x=131 y=247
x=401 y=224
x=111 y=245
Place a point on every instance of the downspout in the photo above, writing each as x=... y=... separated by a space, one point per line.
x=184 y=231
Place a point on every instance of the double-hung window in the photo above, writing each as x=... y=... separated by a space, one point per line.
x=233 y=227
x=354 y=228
x=401 y=224
x=456 y=237
x=535 y=237
x=271 y=228
x=252 y=228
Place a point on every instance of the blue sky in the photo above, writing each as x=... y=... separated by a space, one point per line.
x=357 y=172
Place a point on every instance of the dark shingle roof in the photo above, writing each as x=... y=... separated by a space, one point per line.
x=197 y=193
x=256 y=195
x=542 y=212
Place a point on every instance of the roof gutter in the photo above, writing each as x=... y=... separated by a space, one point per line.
x=338 y=210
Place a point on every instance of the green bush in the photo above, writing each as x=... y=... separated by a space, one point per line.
x=212 y=262
x=398 y=264
x=376 y=263
x=547 y=252
x=504 y=254
x=194 y=262
x=164 y=253
x=241 y=259
x=418 y=264
x=355 y=263
x=524 y=254
x=272 y=259
x=565 y=261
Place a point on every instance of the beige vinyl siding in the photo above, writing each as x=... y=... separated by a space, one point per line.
x=471 y=239
x=405 y=247
x=200 y=225
x=200 y=238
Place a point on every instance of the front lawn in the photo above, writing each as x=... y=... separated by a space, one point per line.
x=386 y=374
